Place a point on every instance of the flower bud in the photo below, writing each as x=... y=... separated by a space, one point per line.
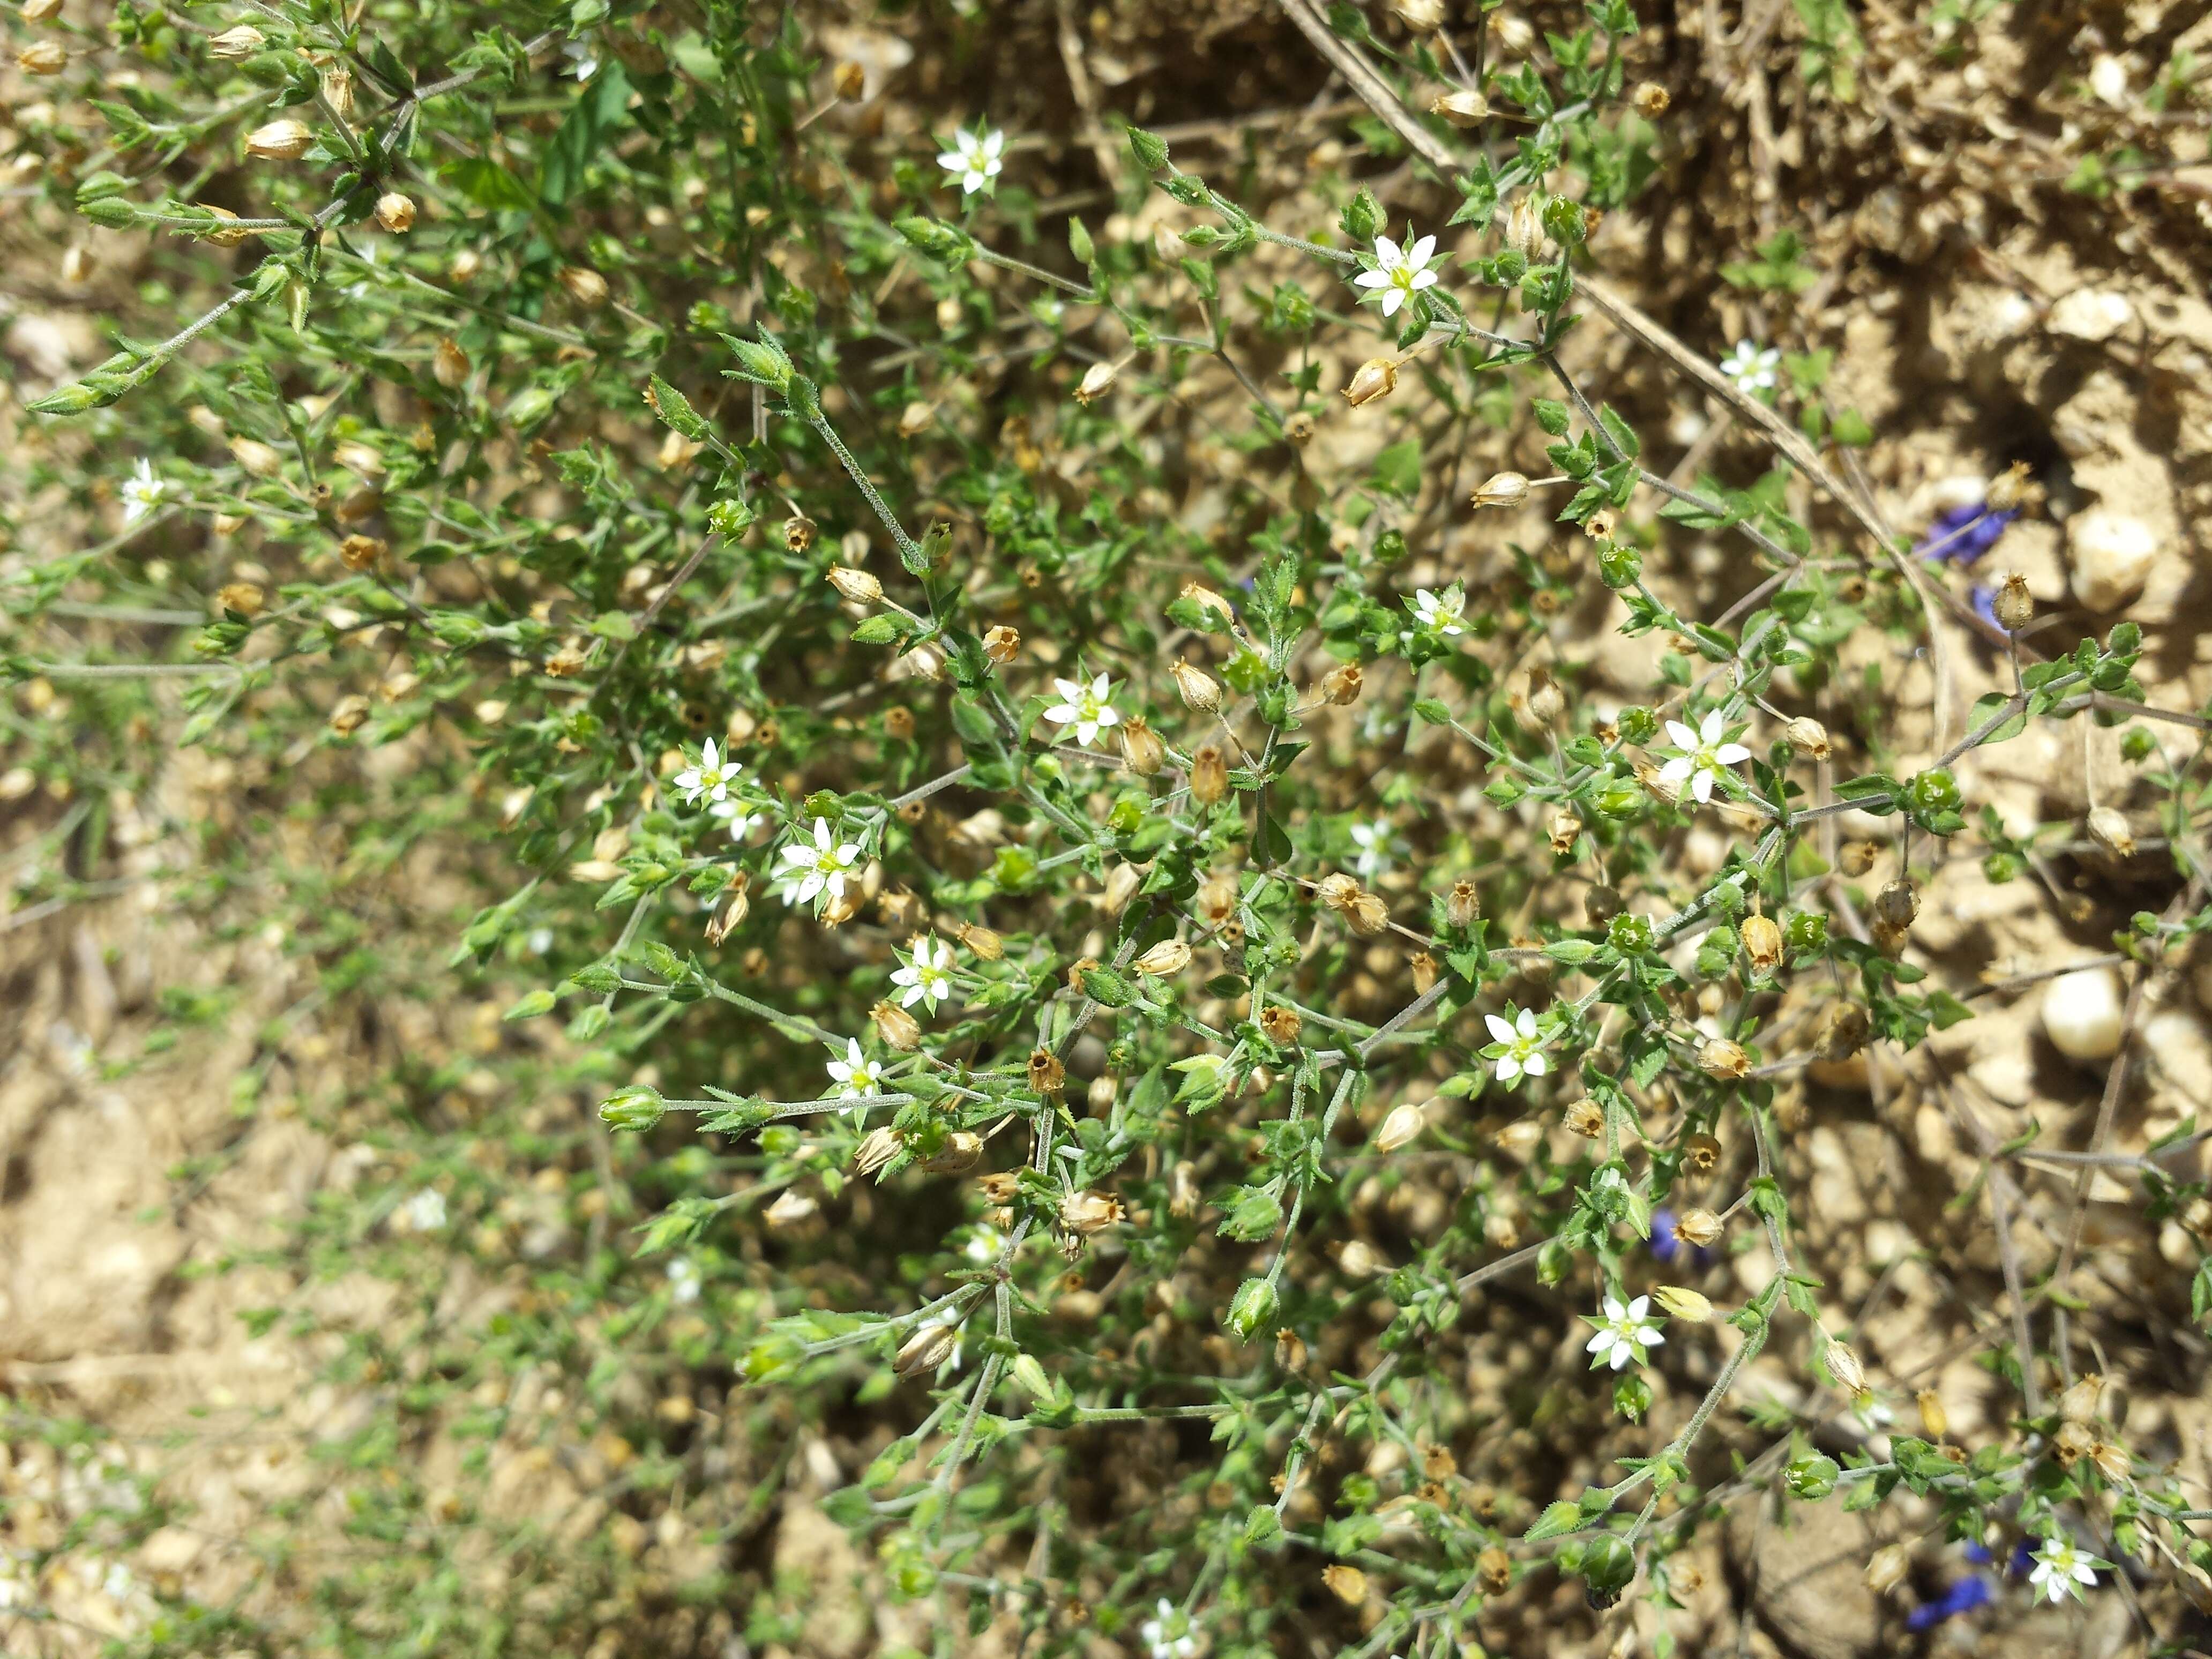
x=1047 y=1077
x=1340 y=686
x=632 y=1110
x=280 y=141
x=2109 y=829
x=1650 y=99
x=1461 y=107
x=1164 y=960
x=961 y=1152
x=1405 y=1122
x=1097 y=380
x=1084 y=1213
x=877 y=1149
x=1252 y=1308
x=1209 y=775
x=934 y=1342
x=1844 y=1031
x=2008 y=490
x=1697 y=1228
x=1723 y=1061
x=1142 y=747
x=1586 y=1118
x=44 y=57
x=1762 y=942
x=1199 y=690
x=586 y=288
x=1843 y=1365
x=449 y=364
x=1463 y=904
x=1376 y=378
x=395 y=212
x=1807 y=738
x=1683 y=1303
x=898 y=1029
x=241 y=42
x=1502 y=489
x=857 y=586
x=2013 y=607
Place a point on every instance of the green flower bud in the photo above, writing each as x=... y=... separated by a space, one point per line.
x=1252 y=1308
x=1608 y=1564
x=1812 y=1478
x=634 y=1109
x=1629 y=934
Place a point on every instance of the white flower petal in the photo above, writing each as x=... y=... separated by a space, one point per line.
x=1709 y=729
x=1388 y=254
x=1535 y=1066
x=1499 y=1029
x=1509 y=1068
x=1675 y=771
x=1371 y=279
x=1392 y=300
x=1418 y=255
x=1525 y=1021
x=1680 y=735
x=1731 y=754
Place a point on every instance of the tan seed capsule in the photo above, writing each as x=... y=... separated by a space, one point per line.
x=1121 y=884
x=1347 y=1584
x=876 y=1148
x=338 y=90
x=1806 y=737
x=41 y=11
x=931 y=1344
x=1422 y=17
x=237 y=43
x=1857 y=857
x=915 y=419
x=1524 y=227
x=1281 y=1025
x=2073 y=1442
x=1087 y=1212
x=1422 y=967
x=350 y=714
x=222 y=238
x=2014 y=607
x=1698 y=1228
x=960 y=1153
x=1493 y=1570
x=1184 y=1196
x=1502 y=489
x=1886 y=1567
x=1340 y=686
x=2078 y=1403
x=1142 y=747
x=395 y=212
x=1199 y=690
x=1290 y=1351
x=1565 y=830
x=42 y=57
x=1898 y=903
x=2109 y=830
x=1843 y=1365
x=1047 y=1077
x=279 y=141
x=1461 y=107
x=2008 y=490
x=1844 y=1031
x=789 y=1210
x=1001 y=644
x=898 y=1029
x=255 y=458
x=1164 y=960
x=1762 y=943
x=1376 y=378
x=1586 y=1118
x=1404 y=1122
x=857 y=586
x=1935 y=1421
x=1339 y=891
x=1369 y=915
x=1209 y=775
x=1650 y=99
x=450 y=365
x=1097 y=380
x=1545 y=702
x=247 y=598
x=1360 y=1260
x=1463 y=904
x=467 y=265
x=983 y=941
x=585 y=286
x=362 y=552
x=1700 y=1154
x=735 y=906
x=1721 y=1059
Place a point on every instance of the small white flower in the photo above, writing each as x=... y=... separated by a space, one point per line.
x=982 y=1246
x=1444 y=613
x=1167 y=1633
x=742 y=822
x=2062 y=1569
x=1375 y=842
x=683 y=1280
x=579 y=53
x=142 y=492
x=709 y=780
x=1523 y=1053
x=1752 y=367
x=1401 y=273
x=856 y=1075
x=1086 y=707
x=1704 y=757
x=1623 y=1333
x=928 y=978
x=425 y=1212
x=823 y=867
x=974 y=158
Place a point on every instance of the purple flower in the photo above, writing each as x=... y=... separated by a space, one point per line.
x=1962 y=1597
x=1964 y=533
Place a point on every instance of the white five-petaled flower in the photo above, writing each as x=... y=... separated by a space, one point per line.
x=1442 y=613
x=856 y=1075
x=683 y=1280
x=1401 y=273
x=1375 y=842
x=1623 y=1333
x=142 y=492
x=741 y=821
x=1752 y=367
x=1086 y=707
x=1704 y=757
x=1167 y=1633
x=425 y=1211
x=709 y=780
x=928 y=979
x=1523 y=1053
x=822 y=866
x=2061 y=1568
x=579 y=53
x=974 y=158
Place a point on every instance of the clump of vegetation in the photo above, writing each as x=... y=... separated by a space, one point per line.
x=1026 y=756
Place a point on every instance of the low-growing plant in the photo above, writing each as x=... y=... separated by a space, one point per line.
x=1038 y=777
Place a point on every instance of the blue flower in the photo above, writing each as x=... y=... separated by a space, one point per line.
x=1962 y=1597
x=1965 y=533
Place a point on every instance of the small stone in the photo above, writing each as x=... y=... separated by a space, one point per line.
x=2093 y=314
x=2081 y=1014
x=2110 y=556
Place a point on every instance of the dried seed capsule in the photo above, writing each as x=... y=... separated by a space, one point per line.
x=1461 y=107
x=1650 y=99
x=1142 y=747
x=932 y=1343
x=2014 y=607
x=1347 y=1584
x=237 y=43
x=2109 y=830
x=360 y=552
x=1762 y=942
x=1898 y=903
x=1721 y=1059
x=1209 y=775
x=1806 y=737
x=1683 y=1303
x=1001 y=644
x=1463 y=904
x=1047 y=1077
x=1935 y=1421
x=395 y=212
x=1586 y=1118
x=1502 y=489
x=1843 y=1365
x=1886 y=1567
x=1699 y=1228
x=898 y=1029
x=1844 y=1031
x=1281 y=1025
x=1405 y=1122
x=585 y=286
x=1097 y=380
x=1369 y=915
x=1700 y=1153
x=1342 y=685
x=449 y=364
x=44 y=57
x=983 y=941
x=1164 y=960
x=1199 y=690
x=876 y=1148
x=960 y=1152
x=1524 y=229
x=2008 y=490
x=789 y=1209
x=1376 y=378
x=279 y=141
x=1084 y=1213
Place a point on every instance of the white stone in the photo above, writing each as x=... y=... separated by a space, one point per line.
x=2090 y=313
x=2111 y=554
x=2081 y=1014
